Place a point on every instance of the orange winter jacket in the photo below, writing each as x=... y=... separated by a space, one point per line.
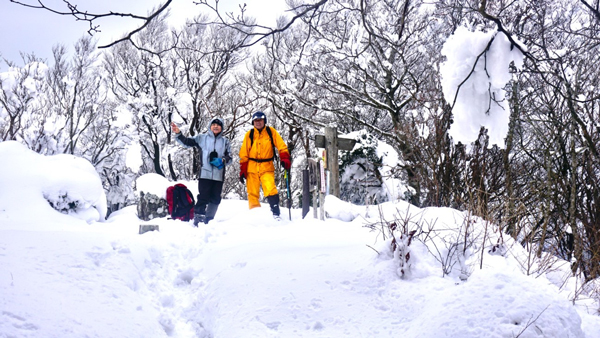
x=261 y=151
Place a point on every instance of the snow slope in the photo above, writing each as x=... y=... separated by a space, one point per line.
x=247 y=275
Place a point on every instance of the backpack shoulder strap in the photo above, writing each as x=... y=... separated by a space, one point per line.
x=270 y=136
x=251 y=137
x=190 y=197
x=275 y=150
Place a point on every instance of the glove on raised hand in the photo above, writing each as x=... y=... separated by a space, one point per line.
x=285 y=160
x=243 y=171
x=217 y=162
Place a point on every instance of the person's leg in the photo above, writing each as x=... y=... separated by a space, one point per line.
x=204 y=186
x=214 y=200
x=253 y=188
x=270 y=190
x=267 y=179
x=204 y=189
x=211 y=211
x=274 y=203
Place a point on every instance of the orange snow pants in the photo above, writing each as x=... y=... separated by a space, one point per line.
x=253 y=183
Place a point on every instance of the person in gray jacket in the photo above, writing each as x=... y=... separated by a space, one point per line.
x=215 y=153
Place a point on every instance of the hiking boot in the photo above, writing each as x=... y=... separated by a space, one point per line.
x=274 y=204
x=198 y=218
x=211 y=210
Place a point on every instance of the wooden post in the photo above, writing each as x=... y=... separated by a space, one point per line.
x=322 y=191
x=330 y=177
x=315 y=197
x=317 y=185
x=305 y=192
x=331 y=146
x=314 y=180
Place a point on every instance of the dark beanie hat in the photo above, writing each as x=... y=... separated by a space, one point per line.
x=217 y=121
x=259 y=115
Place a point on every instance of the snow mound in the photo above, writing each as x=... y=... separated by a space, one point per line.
x=68 y=184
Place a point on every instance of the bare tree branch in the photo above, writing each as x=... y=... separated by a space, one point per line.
x=595 y=11
x=239 y=23
x=482 y=11
x=82 y=15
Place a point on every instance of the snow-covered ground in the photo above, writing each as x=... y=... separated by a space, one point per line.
x=247 y=275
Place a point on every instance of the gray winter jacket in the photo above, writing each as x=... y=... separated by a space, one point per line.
x=208 y=143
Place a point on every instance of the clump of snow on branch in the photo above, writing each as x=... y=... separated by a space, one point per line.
x=473 y=80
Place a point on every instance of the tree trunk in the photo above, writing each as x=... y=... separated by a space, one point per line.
x=510 y=201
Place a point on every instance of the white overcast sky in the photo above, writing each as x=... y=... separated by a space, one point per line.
x=30 y=30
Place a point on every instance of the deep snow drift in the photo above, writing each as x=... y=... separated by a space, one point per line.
x=246 y=275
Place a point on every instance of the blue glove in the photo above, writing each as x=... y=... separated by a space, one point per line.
x=217 y=162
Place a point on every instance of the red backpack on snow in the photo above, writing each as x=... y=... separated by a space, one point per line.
x=181 y=202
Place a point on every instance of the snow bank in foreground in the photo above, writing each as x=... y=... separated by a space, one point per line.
x=247 y=275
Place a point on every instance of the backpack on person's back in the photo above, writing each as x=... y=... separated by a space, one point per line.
x=181 y=202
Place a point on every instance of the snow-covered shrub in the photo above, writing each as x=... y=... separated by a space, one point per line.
x=401 y=250
x=63 y=202
x=370 y=173
x=360 y=177
x=118 y=177
x=446 y=238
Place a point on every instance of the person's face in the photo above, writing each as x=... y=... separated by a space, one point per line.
x=215 y=128
x=259 y=123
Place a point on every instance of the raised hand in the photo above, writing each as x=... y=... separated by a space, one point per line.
x=174 y=128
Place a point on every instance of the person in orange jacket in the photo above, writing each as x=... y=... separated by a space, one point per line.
x=256 y=162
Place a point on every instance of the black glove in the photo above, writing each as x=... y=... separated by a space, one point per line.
x=242 y=180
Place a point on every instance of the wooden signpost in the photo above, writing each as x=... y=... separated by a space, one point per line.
x=332 y=144
x=324 y=174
